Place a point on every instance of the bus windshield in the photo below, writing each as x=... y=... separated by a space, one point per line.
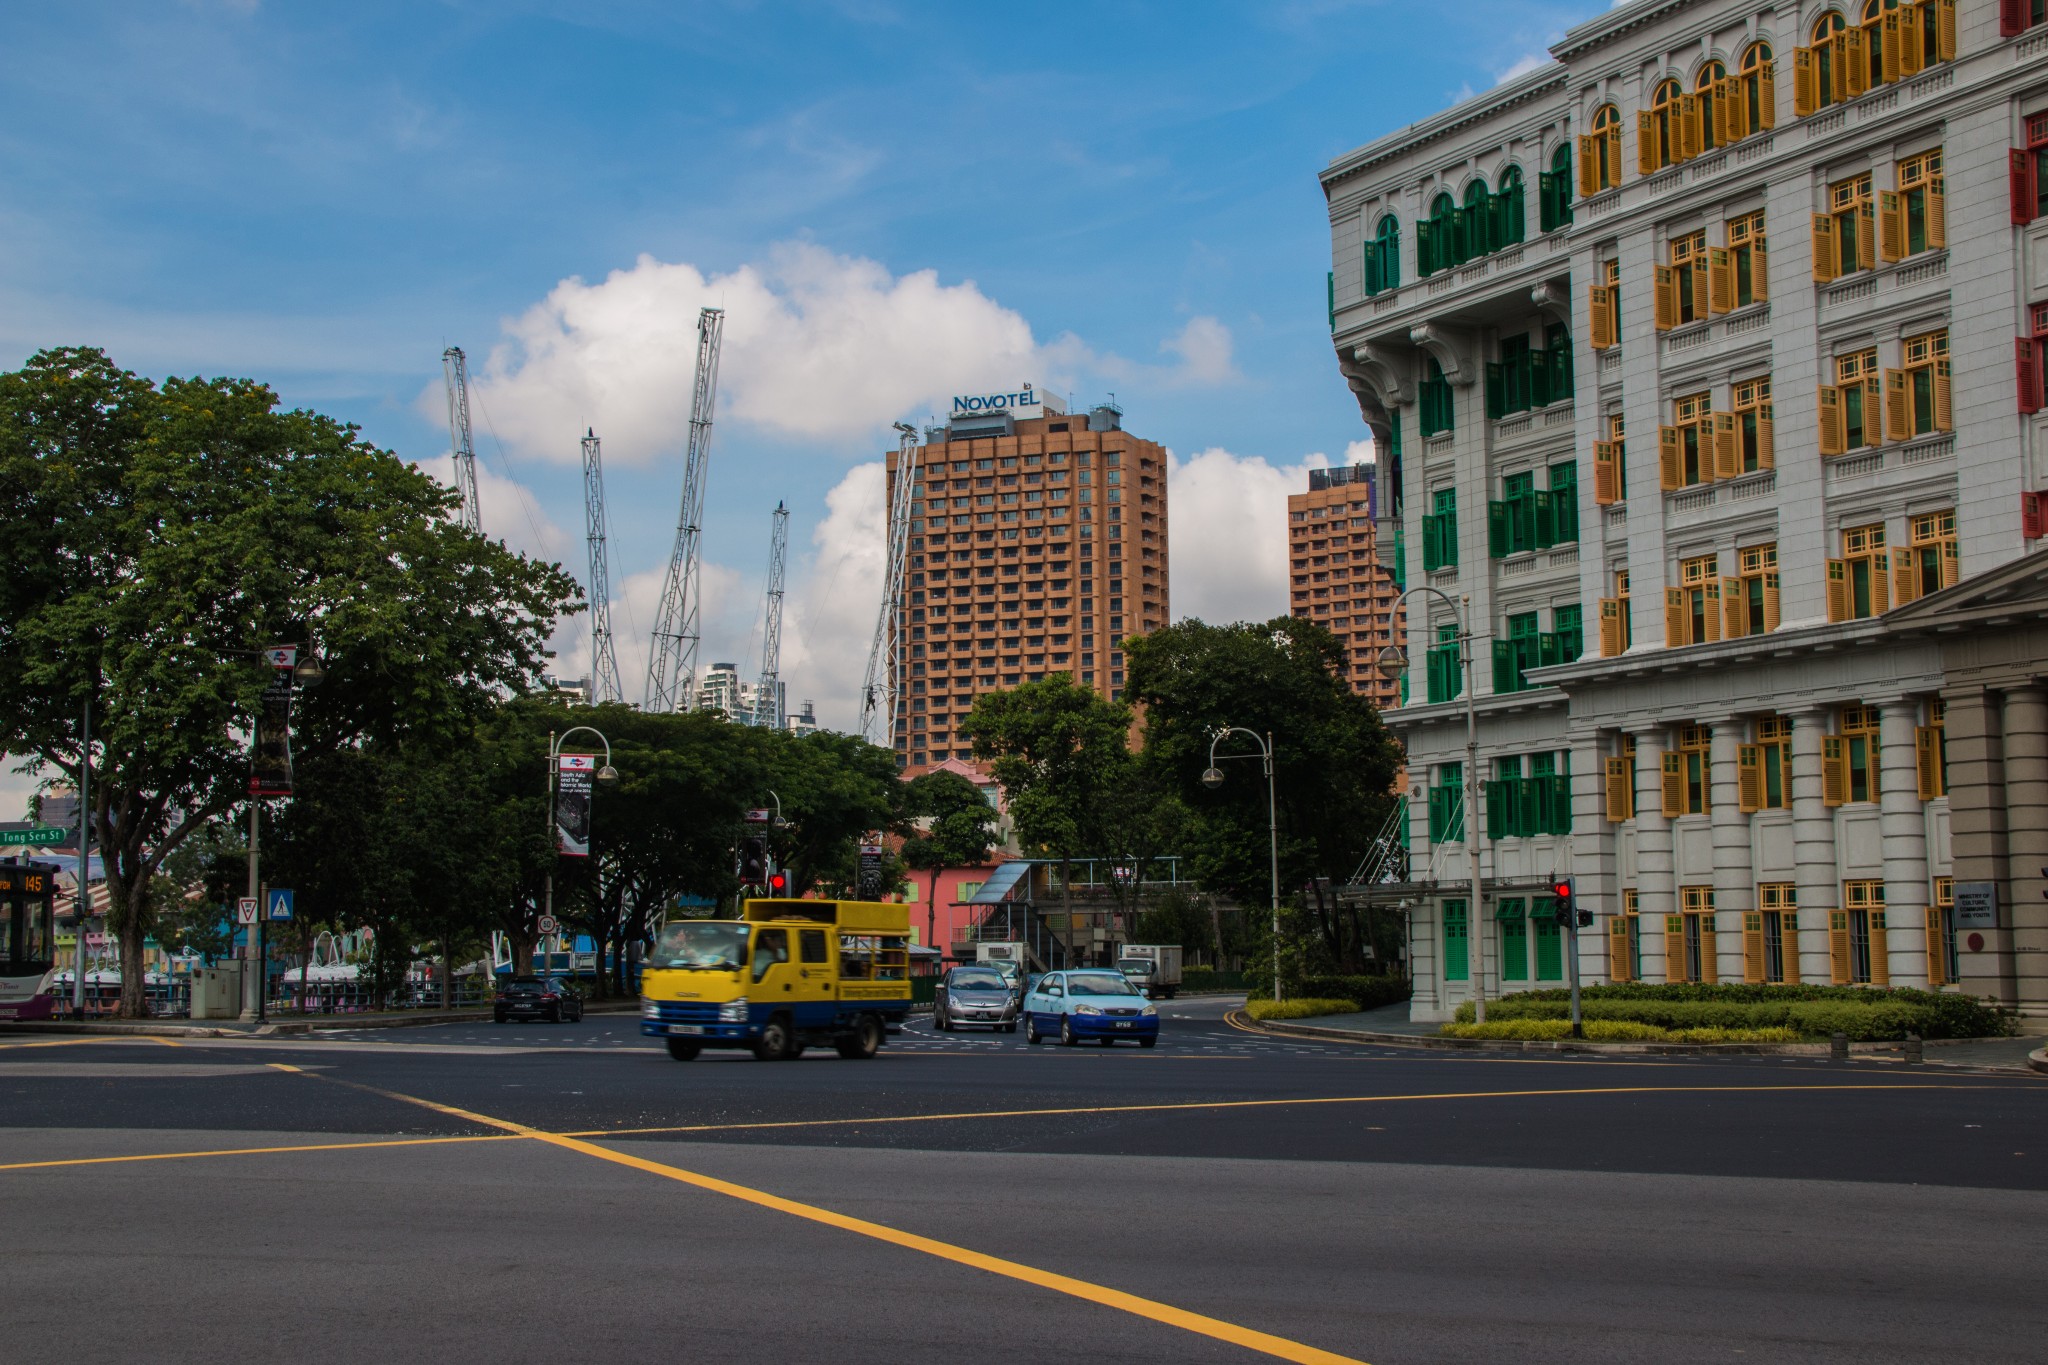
x=712 y=947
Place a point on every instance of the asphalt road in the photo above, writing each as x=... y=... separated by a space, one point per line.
x=546 y=1193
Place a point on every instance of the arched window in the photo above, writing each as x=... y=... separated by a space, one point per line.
x=1824 y=77
x=1554 y=190
x=1436 y=237
x=1881 y=59
x=1383 y=256
x=1657 y=129
x=1505 y=223
x=1752 y=98
x=1475 y=222
x=1600 y=153
x=1710 y=130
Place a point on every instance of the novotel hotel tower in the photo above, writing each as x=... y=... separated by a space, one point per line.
x=1037 y=545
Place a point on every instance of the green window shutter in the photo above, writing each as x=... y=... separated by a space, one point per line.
x=1561 y=803
x=1390 y=263
x=1370 y=258
x=1543 y=523
x=1549 y=942
x=1457 y=961
x=1504 y=667
x=1330 y=281
x=1496 y=810
x=1496 y=389
x=1496 y=529
x=1514 y=944
x=1512 y=216
x=1546 y=193
x=1425 y=248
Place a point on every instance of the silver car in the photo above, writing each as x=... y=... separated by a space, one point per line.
x=975 y=997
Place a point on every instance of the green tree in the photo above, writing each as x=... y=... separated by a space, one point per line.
x=834 y=789
x=159 y=535
x=1335 y=764
x=952 y=825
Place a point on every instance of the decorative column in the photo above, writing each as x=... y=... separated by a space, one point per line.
x=2026 y=815
x=1904 y=826
x=1977 y=833
x=1813 y=847
x=1734 y=875
x=1656 y=885
x=1591 y=863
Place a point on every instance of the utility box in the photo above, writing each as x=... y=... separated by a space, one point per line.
x=217 y=992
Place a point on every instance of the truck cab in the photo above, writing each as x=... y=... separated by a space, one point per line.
x=788 y=975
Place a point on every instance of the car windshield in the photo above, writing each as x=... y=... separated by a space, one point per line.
x=1098 y=983
x=978 y=981
x=714 y=947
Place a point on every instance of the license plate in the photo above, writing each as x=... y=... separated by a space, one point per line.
x=685 y=1028
x=1123 y=1023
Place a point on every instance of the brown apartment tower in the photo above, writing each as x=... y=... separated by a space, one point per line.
x=1334 y=577
x=1037 y=545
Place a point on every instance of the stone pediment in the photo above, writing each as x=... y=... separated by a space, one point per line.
x=2011 y=593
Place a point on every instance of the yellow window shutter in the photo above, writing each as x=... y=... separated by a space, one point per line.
x=1805 y=82
x=1767 y=94
x=1937 y=950
x=1944 y=30
x=1727 y=99
x=1760 y=274
x=1688 y=129
x=1646 y=143
x=1788 y=923
x=1898 y=406
x=1880 y=951
x=1833 y=437
x=1700 y=287
x=1589 y=165
x=1911 y=58
x=1944 y=415
x=1891 y=226
x=1838 y=947
x=1834 y=771
x=1670 y=459
x=1614 y=154
x=1618 y=955
x=1770 y=601
x=1710 y=963
x=1906 y=579
x=1873 y=409
x=1610 y=627
x=1937 y=216
x=1727 y=446
x=1667 y=298
x=1606 y=474
x=1766 y=445
x=1753 y=948
x=1720 y=280
x=1838 y=590
x=1599 y=303
x=1675 y=633
x=1951 y=564
x=1672 y=795
x=1854 y=54
x=1888 y=47
x=1674 y=949
x=1749 y=777
x=1866 y=237
x=1927 y=762
x=1734 y=617
x=1825 y=253
x=1880 y=583
x=1621 y=796
x=1712 y=595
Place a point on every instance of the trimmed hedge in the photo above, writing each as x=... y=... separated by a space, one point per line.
x=1302 y=1007
x=1370 y=992
x=1615 y=1031
x=1860 y=1012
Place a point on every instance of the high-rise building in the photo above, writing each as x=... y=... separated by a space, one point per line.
x=1334 y=575
x=804 y=722
x=1720 y=384
x=1037 y=545
x=720 y=689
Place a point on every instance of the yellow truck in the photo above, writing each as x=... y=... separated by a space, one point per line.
x=788 y=975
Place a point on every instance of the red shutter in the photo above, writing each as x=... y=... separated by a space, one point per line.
x=2027 y=374
x=2012 y=18
x=2033 y=515
x=2019 y=174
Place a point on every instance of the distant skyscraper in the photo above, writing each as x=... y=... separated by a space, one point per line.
x=1334 y=576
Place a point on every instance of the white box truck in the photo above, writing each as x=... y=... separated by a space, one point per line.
x=1153 y=968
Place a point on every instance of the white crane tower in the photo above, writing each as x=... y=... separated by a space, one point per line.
x=672 y=661
x=604 y=660
x=455 y=366
x=880 y=694
x=768 y=692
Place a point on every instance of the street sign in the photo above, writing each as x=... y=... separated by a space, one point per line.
x=550 y=925
x=760 y=817
x=280 y=907
x=245 y=910
x=869 y=875
x=37 y=834
x=1976 y=905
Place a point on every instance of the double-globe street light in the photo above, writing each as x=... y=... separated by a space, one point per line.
x=1393 y=664
x=304 y=669
x=1212 y=778
x=605 y=776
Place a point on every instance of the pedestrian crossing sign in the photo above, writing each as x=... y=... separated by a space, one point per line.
x=280 y=906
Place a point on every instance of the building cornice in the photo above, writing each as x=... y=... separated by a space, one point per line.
x=1508 y=95
x=1596 y=33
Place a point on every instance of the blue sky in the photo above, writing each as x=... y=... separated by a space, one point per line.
x=1107 y=197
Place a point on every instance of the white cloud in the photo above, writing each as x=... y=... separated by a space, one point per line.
x=829 y=623
x=1204 y=349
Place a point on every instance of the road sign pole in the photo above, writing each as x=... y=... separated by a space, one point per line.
x=83 y=882
x=251 y=993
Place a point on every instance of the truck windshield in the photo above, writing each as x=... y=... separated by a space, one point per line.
x=716 y=947
x=1134 y=966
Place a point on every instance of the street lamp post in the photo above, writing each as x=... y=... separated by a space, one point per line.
x=605 y=777
x=306 y=671
x=1393 y=663
x=1213 y=778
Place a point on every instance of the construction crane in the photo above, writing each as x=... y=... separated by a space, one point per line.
x=672 y=662
x=767 y=699
x=604 y=659
x=880 y=694
x=455 y=366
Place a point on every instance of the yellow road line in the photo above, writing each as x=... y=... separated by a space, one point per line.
x=167 y=1042
x=80 y=1042
x=1263 y=1342
x=257 y=1151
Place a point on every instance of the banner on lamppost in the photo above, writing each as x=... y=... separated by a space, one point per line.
x=270 y=758
x=869 y=877
x=573 y=777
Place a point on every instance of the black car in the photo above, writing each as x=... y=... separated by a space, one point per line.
x=533 y=997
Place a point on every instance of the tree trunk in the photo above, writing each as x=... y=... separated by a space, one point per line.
x=1067 y=906
x=130 y=904
x=932 y=910
x=522 y=954
x=447 y=974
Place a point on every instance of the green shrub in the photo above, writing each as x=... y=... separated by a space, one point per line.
x=1301 y=1007
x=1861 y=1012
x=1615 y=1031
x=1370 y=992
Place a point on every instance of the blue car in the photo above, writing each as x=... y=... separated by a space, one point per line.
x=1101 y=1005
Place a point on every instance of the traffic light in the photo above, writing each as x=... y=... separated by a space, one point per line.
x=753 y=860
x=779 y=883
x=1567 y=909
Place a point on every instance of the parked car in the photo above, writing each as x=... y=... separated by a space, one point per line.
x=1099 y=1004
x=534 y=997
x=975 y=997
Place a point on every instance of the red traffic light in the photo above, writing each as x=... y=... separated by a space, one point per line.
x=1561 y=889
x=778 y=882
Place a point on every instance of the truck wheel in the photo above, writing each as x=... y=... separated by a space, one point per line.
x=777 y=1042
x=683 y=1050
x=865 y=1040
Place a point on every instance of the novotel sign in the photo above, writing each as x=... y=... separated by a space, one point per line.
x=1026 y=402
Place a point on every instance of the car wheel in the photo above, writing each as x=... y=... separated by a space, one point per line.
x=555 y=1015
x=683 y=1049
x=939 y=1024
x=865 y=1040
x=1067 y=1031
x=1031 y=1034
x=497 y=1018
x=776 y=1043
x=1148 y=1042
x=1107 y=1042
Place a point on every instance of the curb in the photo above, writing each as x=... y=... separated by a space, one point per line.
x=2038 y=1060
x=286 y=1027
